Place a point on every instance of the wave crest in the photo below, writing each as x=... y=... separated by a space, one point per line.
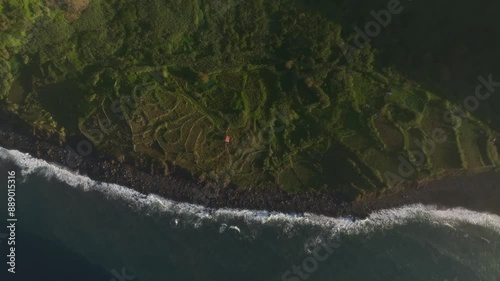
x=376 y=221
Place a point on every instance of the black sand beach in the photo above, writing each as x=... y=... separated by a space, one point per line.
x=479 y=191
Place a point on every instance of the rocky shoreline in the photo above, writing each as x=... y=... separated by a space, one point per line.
x=477 y=192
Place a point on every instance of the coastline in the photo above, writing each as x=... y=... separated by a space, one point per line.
x=478 y=192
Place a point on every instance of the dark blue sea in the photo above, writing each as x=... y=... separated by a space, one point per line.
x=72 y=228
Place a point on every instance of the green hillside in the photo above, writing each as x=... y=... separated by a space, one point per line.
x=306 y=108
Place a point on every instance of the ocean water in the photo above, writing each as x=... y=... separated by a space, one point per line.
x=72 y=228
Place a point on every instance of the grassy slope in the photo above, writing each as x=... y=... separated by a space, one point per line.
x=169 y=79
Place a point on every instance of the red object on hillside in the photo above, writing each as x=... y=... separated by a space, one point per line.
x=227 y=139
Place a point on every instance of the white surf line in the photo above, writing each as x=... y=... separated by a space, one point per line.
x=235 y=228
x=378 y=220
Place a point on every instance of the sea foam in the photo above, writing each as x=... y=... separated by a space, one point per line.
x=376 y=221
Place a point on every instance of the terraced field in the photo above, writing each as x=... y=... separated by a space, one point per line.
x=168 y=81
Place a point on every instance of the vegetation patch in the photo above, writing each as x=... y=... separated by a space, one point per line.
x=255 y=93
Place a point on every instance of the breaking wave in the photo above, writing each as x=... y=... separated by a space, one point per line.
x=196 y=215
